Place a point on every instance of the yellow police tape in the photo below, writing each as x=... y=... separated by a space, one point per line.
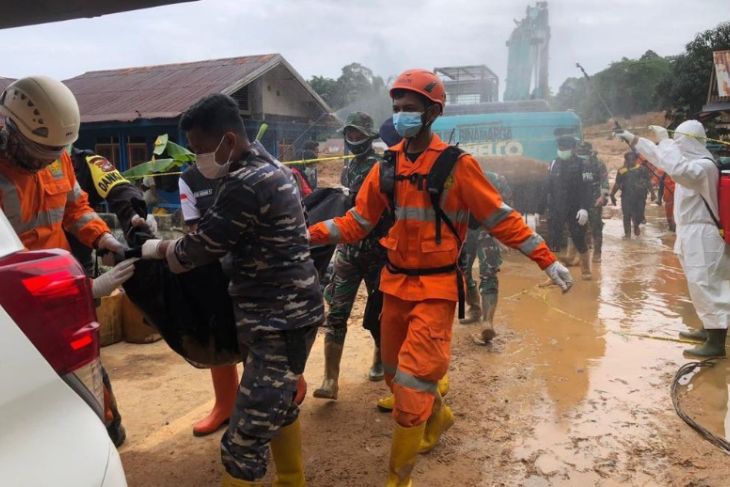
x=636 y=129
x=542 y=296
x=287 y=163
x=723 y=142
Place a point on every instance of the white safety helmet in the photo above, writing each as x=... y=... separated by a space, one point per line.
x=43 y=110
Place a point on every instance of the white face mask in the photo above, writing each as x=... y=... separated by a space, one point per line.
x=209 y=167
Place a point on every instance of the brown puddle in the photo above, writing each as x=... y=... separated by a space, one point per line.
x=604 y=356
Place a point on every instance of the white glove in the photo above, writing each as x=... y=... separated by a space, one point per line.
x=625 y=135
x=150 y=223
x=659 y=132
x=582 y=217
x=560 y=275
x=151 y=250
x=108 y=242
x=106 y=283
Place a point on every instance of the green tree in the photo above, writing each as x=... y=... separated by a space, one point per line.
x=356 y=89
x=325 y=87
x=684 y=89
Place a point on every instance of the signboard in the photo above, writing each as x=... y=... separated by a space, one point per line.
x=722 y=72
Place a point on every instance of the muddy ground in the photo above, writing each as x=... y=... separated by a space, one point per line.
x=574 y=391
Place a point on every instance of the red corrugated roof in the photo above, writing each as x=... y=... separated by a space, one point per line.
x=163 y=91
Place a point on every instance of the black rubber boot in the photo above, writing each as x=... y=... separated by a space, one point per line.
x=694 y=335
x=714 y=346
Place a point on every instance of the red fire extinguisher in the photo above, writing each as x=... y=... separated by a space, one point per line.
x=722 y=219
x=723 y=205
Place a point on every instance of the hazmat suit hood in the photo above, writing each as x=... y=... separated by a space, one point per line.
x=691 y=138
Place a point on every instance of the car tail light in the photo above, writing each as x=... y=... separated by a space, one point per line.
x=48 y=295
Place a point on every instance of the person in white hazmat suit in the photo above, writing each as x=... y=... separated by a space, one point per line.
x=702 y=251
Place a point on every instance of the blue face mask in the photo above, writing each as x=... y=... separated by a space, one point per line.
x=408 y=124
x=564 y=154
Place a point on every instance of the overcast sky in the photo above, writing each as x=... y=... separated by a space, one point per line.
x=318 y=37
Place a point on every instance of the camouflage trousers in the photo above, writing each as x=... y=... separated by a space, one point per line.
x=353 y=266
x=265 y=401
x=480 y=244
x=595 y=227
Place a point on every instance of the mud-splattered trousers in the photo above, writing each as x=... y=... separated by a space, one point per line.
x=353 y=265
x=480 y=244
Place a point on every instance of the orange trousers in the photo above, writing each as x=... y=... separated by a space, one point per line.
x=415 y=346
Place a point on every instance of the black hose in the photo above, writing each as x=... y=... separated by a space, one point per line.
x=721 y=443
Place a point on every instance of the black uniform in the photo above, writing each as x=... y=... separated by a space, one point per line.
x=568 y=190
x=101 y=180
x=634 y=184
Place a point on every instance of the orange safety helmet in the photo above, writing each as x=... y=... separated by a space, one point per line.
x=423 y=82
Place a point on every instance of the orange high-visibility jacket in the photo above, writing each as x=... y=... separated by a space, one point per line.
x=411 y=242
x=41 y=205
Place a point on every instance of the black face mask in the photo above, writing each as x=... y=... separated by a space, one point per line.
x=359 y=148
x=23 y=154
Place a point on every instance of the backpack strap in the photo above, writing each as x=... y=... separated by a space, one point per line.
x=437 y=176
x=707 y=205
x=387 y=177
x=440 y=172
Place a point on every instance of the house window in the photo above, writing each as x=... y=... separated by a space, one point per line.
x=137 y=150
x=108 y=147
x=241 y=97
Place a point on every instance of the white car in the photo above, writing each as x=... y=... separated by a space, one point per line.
x=51 y=395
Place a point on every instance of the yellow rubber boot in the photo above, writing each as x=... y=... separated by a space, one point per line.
x=403 y=453
x=443 y=385
x=441 y=420
x=286 y=449
x=386 y=404
x=229 y=481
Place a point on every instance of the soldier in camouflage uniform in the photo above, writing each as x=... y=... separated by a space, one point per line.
x=480 y=244
x=258 y=221
x=354 y=263
x=597 y=174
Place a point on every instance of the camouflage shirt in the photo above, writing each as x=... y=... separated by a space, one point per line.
x=257 y=217
x=352 y=177
x=500 y=184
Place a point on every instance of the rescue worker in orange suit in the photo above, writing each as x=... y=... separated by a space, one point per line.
x=38 y=189
x=420 y=281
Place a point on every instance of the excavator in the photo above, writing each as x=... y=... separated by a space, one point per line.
x=516 y=137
